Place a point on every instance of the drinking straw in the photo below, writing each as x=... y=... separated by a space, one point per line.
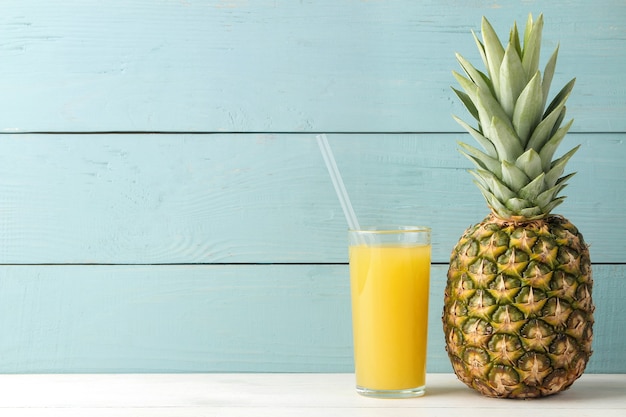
x=335 y=176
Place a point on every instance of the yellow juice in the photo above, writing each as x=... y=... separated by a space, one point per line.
x=389 y=286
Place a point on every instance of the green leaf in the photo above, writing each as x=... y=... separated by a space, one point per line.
x=560 y=99
x=544 y=198
x=553 y=116
x=548 y=73
x=532 y=213
x=467 y=101
x=474 y=95
x=514 y=39
x=560 y=180
x=493 y=203
x=512 y=80
x=501 y=191
x=530 y=163
x=483 y=141
x=484 y=176
x=558 y=122
x=534 y=188
x=479 y=179
x=513 y=177
x=548 y=150
x=564 y=178
x=528 y=109
x=516 y=205
x=547 y=198
x=532 y=45
x=468 y=86
x=529 y=26
x=545 y=128
x=480 y=159
x=488 y=109
x=494 y=52
x=505 y=140
x=558 y=166
x=493 y=184
x=476 y=161
x=549 y=207
x=475 y=75
x=549 y=195
x=481 y=50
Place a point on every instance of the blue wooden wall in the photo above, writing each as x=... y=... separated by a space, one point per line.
x=163 y=203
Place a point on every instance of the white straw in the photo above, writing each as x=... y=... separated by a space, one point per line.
x=340 y=189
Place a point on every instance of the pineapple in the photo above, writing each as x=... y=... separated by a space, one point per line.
x=518 y=312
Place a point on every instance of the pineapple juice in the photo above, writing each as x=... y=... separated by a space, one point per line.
x=389 y=287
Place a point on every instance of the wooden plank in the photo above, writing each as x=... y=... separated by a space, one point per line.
x=220 y=318
x=174 y=318
x=270 y=66
x=259 y=197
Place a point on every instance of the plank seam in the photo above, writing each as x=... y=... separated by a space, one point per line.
x=277 y=132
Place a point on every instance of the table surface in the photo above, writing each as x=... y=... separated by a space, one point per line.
x=277 y=395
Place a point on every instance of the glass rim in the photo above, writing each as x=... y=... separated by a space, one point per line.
x=391 y=229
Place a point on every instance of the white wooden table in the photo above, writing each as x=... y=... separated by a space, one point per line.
x=276 y=395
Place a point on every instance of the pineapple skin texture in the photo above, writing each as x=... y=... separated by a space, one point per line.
x=518 y=308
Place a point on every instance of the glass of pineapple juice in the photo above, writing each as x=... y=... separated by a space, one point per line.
x=389 y=283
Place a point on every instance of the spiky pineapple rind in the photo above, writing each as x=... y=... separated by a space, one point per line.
x=518 y=312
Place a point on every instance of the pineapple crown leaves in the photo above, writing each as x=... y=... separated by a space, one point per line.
x=518 y=133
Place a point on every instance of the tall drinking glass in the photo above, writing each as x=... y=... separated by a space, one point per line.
x=389 y=281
